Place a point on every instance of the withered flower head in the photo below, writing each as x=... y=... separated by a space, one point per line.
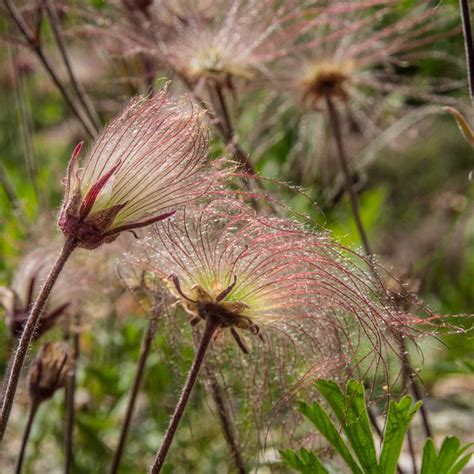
x=145 y=164
x=18 y=299
x=217 y=40
x=48 y=371
x=354 y=48
x=259 y=274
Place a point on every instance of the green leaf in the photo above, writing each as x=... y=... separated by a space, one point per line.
x=448 y=460
x=398 y=420
x=317 y=415
x=351 y=412
x=305 y=461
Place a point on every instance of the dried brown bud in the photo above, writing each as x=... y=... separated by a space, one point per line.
x=48 y=371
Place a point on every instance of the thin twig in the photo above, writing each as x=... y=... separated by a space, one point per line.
x=25 y=125
x=28 y=331
x=146 y=345
x=35 y=46
x=77 y=86
x=344 y=166
x=226 y=128
x=26 y=436
x=12 y=196
x=468 y=43
x=212 y=323
x=70 y=399
x=225 y=419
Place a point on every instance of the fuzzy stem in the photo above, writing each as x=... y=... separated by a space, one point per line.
x=226 y=128
x=468 y=43
x=35 y=46
x=226 y=421
x=70 y=400
x=28 y=331
x=146 y=344
x=344 y=165
x=212 y=323
x=77 y=86
x=26 y=436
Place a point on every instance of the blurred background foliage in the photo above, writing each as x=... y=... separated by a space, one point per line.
x=416 y=202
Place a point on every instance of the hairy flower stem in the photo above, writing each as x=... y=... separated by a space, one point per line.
x=28 y=331
x=70 y=401
x=226 y=128
x=34 y=43
x=212 y=323
x=344 y=165
x=468 y=43
x=225 y=419
x=146 y=344
x=77 y=86
x=26 y=436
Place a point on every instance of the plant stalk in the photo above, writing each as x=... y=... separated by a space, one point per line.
x=77 y=86
x=225 y=419
x=26 y=436
x=226 y=129
x=212 y=323
x=28 y=331
x=70 y=402
x=146 y=345
x=468 y=43
x=344 y=166
x=35 y=45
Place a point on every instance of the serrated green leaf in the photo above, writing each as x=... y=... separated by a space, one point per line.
x=447 y=461
x=305 y=461
x=351 y=412
x=460 y=464
x=398 y=420
x=318 y=416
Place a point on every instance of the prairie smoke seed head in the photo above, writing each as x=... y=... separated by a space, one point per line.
x=145 y=164
x=18 y=299
x=49 y=371
x=259 y=273
x=326 y=78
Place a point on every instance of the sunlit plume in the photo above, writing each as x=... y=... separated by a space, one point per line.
x=147 y=163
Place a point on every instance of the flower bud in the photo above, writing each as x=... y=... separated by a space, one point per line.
x=143 y=166
x=49 y=371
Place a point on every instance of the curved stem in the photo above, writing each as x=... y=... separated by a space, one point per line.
x=35 y=46
x=28 y=331
x=225 y=419
x=26 y=436
x=468 y=42
x=144 y=352
x=212 y=323
x=77 y=86
x=226 y=128
x=344 y=165
x=70 y=401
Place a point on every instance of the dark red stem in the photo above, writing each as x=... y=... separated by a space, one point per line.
x=212 y=323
